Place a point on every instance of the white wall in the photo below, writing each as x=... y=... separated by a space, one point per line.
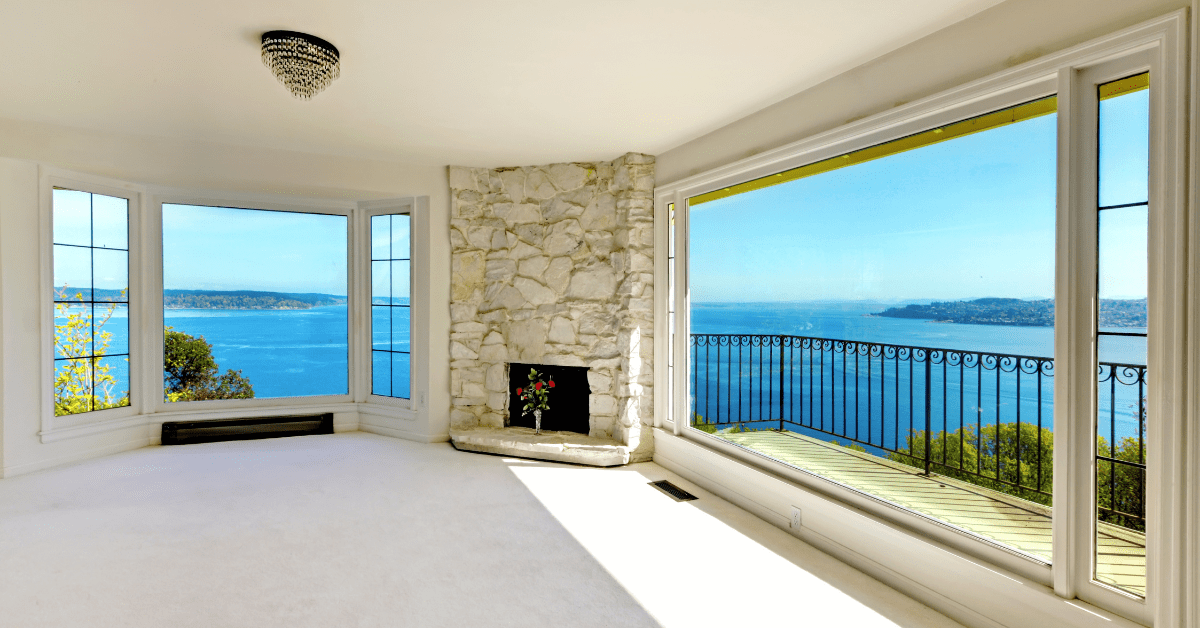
x=162 y=162
x=1005 y=35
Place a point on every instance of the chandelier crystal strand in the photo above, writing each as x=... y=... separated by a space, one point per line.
x=305 y=64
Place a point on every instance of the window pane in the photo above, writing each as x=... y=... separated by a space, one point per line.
x=400 y=236
x=381 y=238
x=72 y=386
x=112 y=222
x=400 y=327
x=112 y=382
x=110 y=270
x=72 y=217
x=1123 y=349
x=400 y=279
x=1122 y=259
x=1120 y=464
x=885 y=319
x=72 y=330
x=1125 y=149
x=381 y=373
x=1124 y=256
x=381 y=282
x=112 y=339
x=265 y=291
x=381 y=327
x=73 y=273
x=400 y=375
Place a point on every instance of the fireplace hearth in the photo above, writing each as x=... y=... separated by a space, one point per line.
x=568 y=401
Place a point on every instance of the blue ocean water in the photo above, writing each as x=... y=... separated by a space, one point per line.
x=304 y=352
x=877 y=398
x=284 y=353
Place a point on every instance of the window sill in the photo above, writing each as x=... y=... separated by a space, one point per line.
x=314 y=403
x=98 y=423
x=1012 y=560
x=969 y=589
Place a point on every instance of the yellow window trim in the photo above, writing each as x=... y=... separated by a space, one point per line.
x=1128 y=85
x=1004 y=117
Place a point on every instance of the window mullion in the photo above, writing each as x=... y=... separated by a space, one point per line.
x=681 y=410
x=1075 y=288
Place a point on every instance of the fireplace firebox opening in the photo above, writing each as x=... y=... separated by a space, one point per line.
x=569 y=409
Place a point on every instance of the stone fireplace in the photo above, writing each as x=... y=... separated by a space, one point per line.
x=554 y=265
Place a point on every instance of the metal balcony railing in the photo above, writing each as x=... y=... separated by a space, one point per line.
x=985 y=418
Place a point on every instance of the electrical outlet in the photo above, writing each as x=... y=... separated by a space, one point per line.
x=796 y=521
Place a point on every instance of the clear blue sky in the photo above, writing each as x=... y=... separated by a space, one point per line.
x=967 y=218
x=219 y=248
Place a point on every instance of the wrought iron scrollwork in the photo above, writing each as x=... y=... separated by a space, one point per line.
x=882 y=396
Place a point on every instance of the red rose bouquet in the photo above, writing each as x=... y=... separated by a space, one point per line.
x=536 y=396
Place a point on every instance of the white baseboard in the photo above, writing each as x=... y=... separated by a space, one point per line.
x=78 y=456
x=397 y=429
x=345 y=422
x=348 y=417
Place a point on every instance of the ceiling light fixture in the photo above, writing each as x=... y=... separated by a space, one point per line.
x=303 y=63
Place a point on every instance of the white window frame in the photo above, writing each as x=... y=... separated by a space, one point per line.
x=155 y=319
x=55 y=428
x=1166 y=358
x=1157 y=45
x=367 y=211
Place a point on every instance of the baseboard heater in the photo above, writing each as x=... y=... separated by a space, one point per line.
x=190 y=432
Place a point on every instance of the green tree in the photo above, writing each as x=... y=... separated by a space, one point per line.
x=84 y=382
x=701 y=424
x=1120 y=488
x=190 y=371
x=989 y=459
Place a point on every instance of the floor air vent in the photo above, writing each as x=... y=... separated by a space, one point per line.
x=675 y=492
x=190 y=432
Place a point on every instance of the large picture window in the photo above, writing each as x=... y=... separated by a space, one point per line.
x=91 y=301
x=391 y=271
x=884 y=318
x=255 y=303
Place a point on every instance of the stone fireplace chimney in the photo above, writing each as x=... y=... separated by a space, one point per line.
x=554 y=265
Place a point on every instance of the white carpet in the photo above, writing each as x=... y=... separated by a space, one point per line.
x=361 y=530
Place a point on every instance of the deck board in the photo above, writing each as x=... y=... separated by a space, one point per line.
x=1121 y=555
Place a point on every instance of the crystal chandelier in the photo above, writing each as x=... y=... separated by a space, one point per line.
x=302 y=62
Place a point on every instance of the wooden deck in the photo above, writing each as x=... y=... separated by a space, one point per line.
x=1016 y=523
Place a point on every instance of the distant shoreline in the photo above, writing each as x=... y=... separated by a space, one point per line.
x=248 y=309
x=992 y=311
x=175 y=299
x=1016 y=312
x=245 y=300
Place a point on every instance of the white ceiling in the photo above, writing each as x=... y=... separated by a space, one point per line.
x=467 y=82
